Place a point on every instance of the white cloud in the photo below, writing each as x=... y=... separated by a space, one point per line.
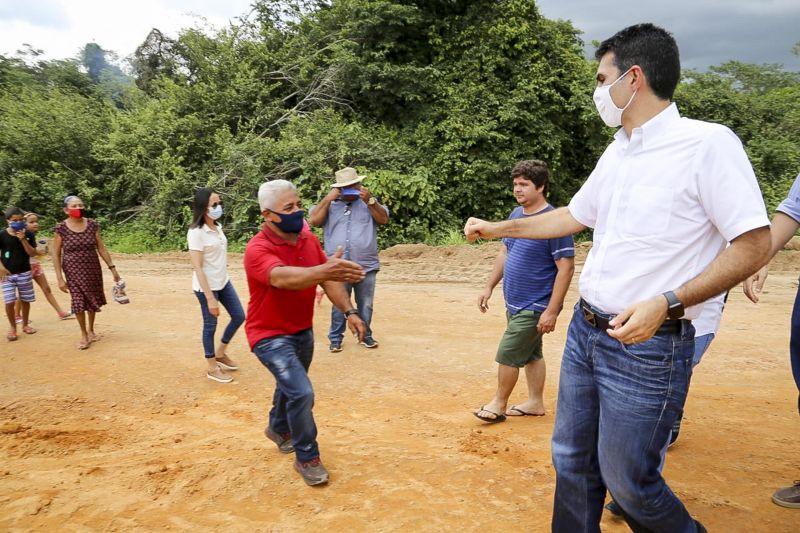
x=62 y=27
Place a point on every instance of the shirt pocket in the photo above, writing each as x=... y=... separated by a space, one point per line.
x=648 y=210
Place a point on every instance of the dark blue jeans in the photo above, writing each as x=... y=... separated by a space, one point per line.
x=794 y=345
x=288 y=358
x=616 y=407
x=365 y=295
x=228 y=298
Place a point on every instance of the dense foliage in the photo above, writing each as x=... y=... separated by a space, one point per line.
x=433 y=100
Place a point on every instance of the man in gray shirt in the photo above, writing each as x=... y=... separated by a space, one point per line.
x=349 y=216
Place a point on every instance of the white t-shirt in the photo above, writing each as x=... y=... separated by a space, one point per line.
x=710 y=317
x=214 y=245
x=663 y=204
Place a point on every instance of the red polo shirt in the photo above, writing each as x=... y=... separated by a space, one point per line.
x=274 y=311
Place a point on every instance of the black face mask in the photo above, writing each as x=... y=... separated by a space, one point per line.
x=291 y=223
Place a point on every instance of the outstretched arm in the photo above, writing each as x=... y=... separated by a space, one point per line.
x=556 y=223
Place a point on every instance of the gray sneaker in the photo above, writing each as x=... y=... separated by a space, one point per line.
x=313 y=472
x=283 y=440
x=789 y=496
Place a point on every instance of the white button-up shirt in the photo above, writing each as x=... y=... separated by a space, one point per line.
x=214 y=245
x=663 y=204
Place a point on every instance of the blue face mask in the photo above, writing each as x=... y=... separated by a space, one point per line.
x=215 y=212
x=291 y=223
x=17 y=226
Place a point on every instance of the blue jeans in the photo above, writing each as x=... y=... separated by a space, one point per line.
x=616 y=406
x=365 y=295
x=228 y=298
x=288 y=358
x=794 y=344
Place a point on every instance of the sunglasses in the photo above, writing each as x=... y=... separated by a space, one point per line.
x=215 y=204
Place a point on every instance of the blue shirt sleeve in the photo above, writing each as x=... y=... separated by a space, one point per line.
x=791 y=205
x=562 y=247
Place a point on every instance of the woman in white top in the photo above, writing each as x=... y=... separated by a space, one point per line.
x=208 y=249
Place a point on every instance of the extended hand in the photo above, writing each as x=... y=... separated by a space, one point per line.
x=338 y=269
x=547 y=321
x=753 y=285
x=640 y=321
x=476 y=228
x=357 y=326
x=483 y=299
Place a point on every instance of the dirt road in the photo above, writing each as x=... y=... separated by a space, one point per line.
x=130 y=435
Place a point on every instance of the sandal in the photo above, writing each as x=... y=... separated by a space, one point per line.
x=83 y=345
x=29 y=330
x=11 y=335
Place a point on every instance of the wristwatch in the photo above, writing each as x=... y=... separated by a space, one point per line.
x=674 y=306
x=372 y=201
x=350 y=312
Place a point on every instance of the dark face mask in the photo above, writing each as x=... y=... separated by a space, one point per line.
x=291 y=223
x=17 y=226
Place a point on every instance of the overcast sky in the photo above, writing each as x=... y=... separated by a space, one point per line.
x=708 y=31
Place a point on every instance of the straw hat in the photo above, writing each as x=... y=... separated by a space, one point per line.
x=347 y=176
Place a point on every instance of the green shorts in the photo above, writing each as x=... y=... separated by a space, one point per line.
x=522 y=342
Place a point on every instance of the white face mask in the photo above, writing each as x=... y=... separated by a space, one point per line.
x=215 y=212
x=609 y=112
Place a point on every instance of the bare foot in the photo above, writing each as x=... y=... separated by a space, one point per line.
x=526 y=409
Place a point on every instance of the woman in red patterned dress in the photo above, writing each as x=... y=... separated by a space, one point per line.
x=76 y=245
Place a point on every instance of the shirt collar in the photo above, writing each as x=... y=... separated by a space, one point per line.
x=650 y=129
x=211 y=229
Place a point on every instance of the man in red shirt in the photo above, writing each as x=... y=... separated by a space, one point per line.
x=284 y=263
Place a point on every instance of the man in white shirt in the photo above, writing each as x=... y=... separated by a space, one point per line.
x=664 y=199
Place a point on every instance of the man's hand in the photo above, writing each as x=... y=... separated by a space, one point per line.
x=357 y=326
x=338 y=269
x=640 y=321
x=3 y=273
x=753 y=285
x=364 y=194
x=483 y=299
x=547 y=321
x=20 y=234
x=476 y=228
x=335 y=193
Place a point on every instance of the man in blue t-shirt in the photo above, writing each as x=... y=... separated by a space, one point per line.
x=536 y=275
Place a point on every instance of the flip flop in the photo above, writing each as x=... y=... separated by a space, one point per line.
x=84 y=345
x=497 y=417
x=521 y=412
x=29 y=330
x=11 y=335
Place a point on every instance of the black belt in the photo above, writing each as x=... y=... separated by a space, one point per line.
x=601 y=321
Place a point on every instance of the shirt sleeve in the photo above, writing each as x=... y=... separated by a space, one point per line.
x=583 y=206
x=728 y=187
x=194 y=239
x=791 y=205
x=562 y=247
x=31 y=238
x=259 y=260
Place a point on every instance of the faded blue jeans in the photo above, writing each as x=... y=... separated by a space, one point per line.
x=616 y=407
x=228 y=298
x=288 y=357
x=365 y=295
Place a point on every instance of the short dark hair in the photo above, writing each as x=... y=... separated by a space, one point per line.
x=200 y=206
x=534 y=171
x=652 y=48
x=11 y=211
